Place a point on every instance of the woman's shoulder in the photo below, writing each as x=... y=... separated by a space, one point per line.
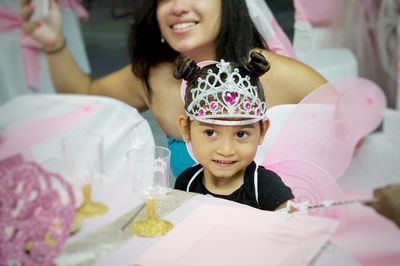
x=282 y=64
x=289 y=80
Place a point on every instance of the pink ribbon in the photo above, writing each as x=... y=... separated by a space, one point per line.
x=10 y=20
x=77 y=7
x=25 y=135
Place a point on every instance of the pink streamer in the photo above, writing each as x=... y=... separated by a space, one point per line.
x=77 y=7
x=10 y=20
x=280 y=43
x=30 y=54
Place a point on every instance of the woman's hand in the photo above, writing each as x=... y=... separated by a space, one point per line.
x=388 y=203
x=46 y=31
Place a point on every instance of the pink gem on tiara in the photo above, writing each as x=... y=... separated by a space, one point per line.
x=213 y=105
x=201 y=112
x=247 y=105
x=231 y=97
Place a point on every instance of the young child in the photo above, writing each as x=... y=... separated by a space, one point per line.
x=226 y=120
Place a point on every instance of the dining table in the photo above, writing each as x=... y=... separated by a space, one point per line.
x=107 y=239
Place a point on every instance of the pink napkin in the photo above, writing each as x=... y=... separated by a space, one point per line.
x=218 y=235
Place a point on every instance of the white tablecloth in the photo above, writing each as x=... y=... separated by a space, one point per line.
x=122 y=127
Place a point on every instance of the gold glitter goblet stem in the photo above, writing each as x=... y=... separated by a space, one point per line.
x=87 y=193
x=90 y=208
x=151 y=208
x=151 y=226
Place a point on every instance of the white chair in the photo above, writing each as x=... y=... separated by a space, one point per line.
x=312 y=19
x=34 y=125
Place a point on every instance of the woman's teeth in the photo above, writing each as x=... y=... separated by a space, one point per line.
x=182 y=26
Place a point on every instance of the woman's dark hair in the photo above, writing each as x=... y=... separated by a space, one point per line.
x=188 y=70
x=236 y=38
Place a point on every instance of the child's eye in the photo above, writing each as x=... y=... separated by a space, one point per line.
x=242 y=134
x=209 y=132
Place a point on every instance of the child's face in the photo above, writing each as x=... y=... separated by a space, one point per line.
x=225 y=151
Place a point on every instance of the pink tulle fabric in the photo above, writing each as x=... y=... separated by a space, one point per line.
x=326 y=125
x=36 y=210
x=317 y=142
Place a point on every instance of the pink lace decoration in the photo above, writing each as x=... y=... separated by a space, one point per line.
x=36 y=210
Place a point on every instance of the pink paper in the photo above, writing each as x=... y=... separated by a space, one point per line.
x=218 y=235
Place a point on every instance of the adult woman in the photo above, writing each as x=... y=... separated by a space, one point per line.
x=163 y=29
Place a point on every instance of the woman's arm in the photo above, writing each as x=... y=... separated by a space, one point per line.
x=66 y=75
x=388 y=204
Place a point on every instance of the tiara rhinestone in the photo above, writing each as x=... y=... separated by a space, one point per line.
x=225 y=94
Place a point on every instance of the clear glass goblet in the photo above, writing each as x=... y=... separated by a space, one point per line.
x=83 y=157
x=149 y=169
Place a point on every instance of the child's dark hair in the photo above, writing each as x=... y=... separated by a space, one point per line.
x=188 y=70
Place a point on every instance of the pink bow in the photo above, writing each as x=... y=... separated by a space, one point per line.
x=77 y=7
x=10 y=20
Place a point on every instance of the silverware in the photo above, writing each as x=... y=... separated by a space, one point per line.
x=133 y=217
x=343 y=202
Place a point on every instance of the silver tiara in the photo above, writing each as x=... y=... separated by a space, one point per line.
x=225 y=95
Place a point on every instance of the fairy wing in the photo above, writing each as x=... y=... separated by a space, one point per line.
x=315 y=144
x=325 y=126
